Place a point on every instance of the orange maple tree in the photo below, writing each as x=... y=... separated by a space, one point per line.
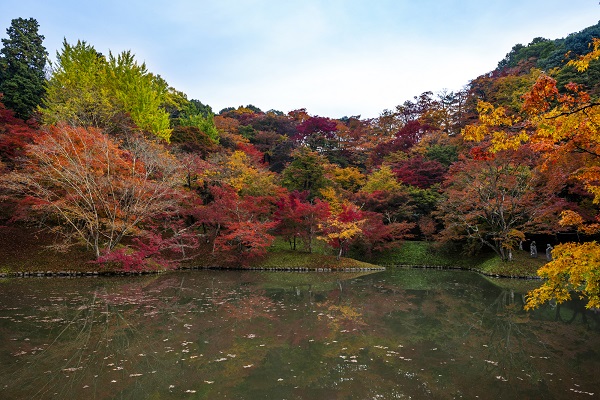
x=564 y=126
x=90 y=190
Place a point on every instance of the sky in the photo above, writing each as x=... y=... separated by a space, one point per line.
x=333 y=57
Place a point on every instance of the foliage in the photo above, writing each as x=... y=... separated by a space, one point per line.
x=15 y=135
x=139 y=93
x=574 y=268
x=305 y=172
x=87 y=89
x=495 y=201
x=22 y=63
x=240 y=225
x=349 y=178
x=342 y=228
x=94 y=191
x=242 y=173
x=418 y=171
x=205 y=124
x=298 y=218
x=381 y=180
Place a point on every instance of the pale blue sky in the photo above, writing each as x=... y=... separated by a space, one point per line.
x=333 y=57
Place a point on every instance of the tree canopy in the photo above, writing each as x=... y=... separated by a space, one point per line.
x=22 y=67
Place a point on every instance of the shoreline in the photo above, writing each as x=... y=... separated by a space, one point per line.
x=375 y=268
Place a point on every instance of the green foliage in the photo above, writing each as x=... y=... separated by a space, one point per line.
x=139 y=93
x=306 y=172
x=77 y=91
x=548 y=54
x=424 y=201
x=538 y=48
x=247 y=131
x=205 y=124
x=444 y=154
x=197 y=107
x=86 y=89
x=22 y=63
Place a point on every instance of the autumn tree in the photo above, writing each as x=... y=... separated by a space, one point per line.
x=22 y=62
x=239 y=226
x=243 y=171
x=496 y=201
x=342 y=228
x=91 y=191
x=15 y=135
x=566 y=128
x=418 y=171
x=382 y=179
x=376 y=235
x=318 y=133
x=299 y=218
x=194 y=114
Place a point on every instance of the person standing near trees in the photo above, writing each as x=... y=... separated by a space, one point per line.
x=533 y=249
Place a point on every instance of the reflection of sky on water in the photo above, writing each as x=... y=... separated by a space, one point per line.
x=208 y=334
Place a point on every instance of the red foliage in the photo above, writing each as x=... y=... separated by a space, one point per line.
x=145 y=254
x=299 y=218
x=240 y=225
x=252 y=152
x=317 y=125
x=420 y=172
x=15 y=134
x=405 y=139
x=377 y=236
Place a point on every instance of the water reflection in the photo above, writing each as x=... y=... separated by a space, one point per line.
x=246 y=335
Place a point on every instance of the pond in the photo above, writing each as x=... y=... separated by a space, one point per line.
x=395 y=334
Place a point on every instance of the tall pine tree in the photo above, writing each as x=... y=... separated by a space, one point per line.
x=22 y=62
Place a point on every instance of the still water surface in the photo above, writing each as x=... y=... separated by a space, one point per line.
x=397 y=334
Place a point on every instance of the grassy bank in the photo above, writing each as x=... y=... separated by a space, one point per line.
x=429 y=254
x=25 y=250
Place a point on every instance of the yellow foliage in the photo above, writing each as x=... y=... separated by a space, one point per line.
x=349 y=178
x=496 y=124
x=344 y=230
x=382 y=179
x=574 y=268
x=513 y=237
x=331 y=196
x=239 y=173
x=570 y=218
x=583 y=62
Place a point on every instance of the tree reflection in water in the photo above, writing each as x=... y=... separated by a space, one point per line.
x=400 y=333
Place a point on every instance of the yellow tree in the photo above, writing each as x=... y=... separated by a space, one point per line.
x=563 y=125
x=343 y=227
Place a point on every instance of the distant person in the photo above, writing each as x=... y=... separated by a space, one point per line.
x=549 y=249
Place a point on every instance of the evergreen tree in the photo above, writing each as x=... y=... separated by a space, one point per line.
x=22 y=63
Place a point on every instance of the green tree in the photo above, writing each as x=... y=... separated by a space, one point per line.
x=77 y=92
x=205 y=124
x=139 y=93
x=22 y=63
x=306 y=172
x=87 y=89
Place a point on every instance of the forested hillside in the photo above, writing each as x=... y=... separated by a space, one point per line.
x=105 y=155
